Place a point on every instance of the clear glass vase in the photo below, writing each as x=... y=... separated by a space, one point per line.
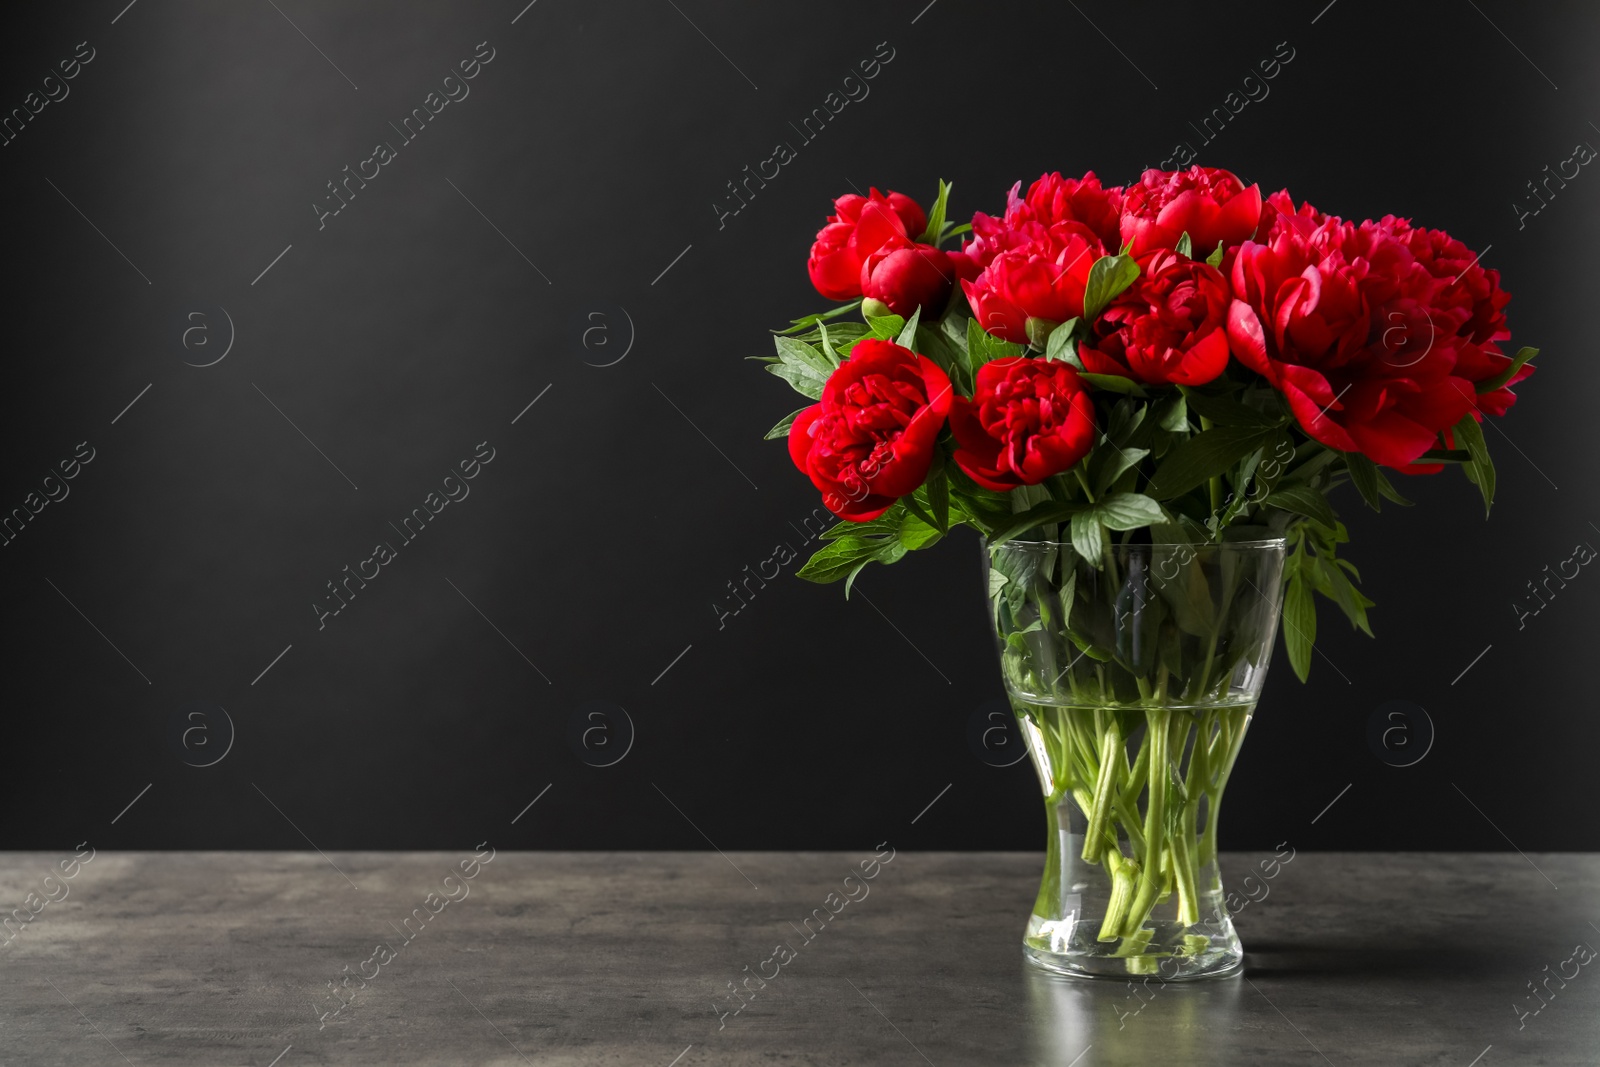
x=1134 y=676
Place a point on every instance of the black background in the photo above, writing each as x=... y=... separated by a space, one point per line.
x=617 y=507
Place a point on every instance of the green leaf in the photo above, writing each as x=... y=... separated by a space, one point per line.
x=1113 y=463
x=1109 y=276
x=1215 y=258
x=937 y=347
x=801 y=366
x=1489 y=385
x=954 y=328
x=836 y=559
x=1180 y=578
x=1039 y=331
x=1335 y=584
x=1125 y=511
x=1060 y=344
x=828 y=351
x=1480 y=471
x=916 y=532
x=936 y=216
x=1127 y=416
x=1038 y=515
x=1174 y=415
x=915 y=508
x=1303 y=500
x=1114 y=383
x=1299 y=624
x=841 y=335
x=804 y=380
x=1364 y=476
x=938 y=490
x=983 y=509
x=1389 y=493
x=997 y=582
x=782 y=429
x=885 y=524
x=1204 y=456
x=983 y=347
x=886 y=539
x=1087 y=537
x=1184 y=247
x=799 y=325
x=907 y=337
x=1228 y=411
x=886 y=327
x=1445 y=455
x=850 y=579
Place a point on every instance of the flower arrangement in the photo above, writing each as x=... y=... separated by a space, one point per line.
x=1178 y=360
x=1142 y=398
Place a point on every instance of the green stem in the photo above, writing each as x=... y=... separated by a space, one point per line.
x=1155 y=819
x=1222 y=768
x=1211 y=645
x=1122 y=883
x=1105 y=792
x=1083 y=481
x=1214 y=483
x=1183 y=870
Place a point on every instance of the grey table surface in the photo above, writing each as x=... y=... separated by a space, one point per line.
x=625 y=958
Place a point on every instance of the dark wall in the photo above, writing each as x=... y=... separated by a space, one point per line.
x=552 y=239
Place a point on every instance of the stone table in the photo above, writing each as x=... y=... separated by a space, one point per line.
x=626 y=958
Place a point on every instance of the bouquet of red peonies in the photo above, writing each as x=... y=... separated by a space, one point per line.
x=1179 y=360
x=1142 y=398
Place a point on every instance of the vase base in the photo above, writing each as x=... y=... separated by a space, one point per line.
x=1178 y=954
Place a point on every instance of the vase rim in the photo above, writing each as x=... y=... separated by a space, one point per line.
x=1265 y=542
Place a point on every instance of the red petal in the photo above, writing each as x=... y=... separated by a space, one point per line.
x=1247 y=340
x=1203 y=362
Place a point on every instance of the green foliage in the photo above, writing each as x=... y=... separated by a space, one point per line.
x=801 y=325
x=983 y=347
x=803 y=367
x=1205 y=456
x=853 y=545
x=782 y=429
x=1062 y=344
x=907 y=337
x=1114 y=383
x=1364 y=476
x=1299 y=619
x=1479 y=468
x=1489 y=385
x=1109 y=276
x=1303 y=500
x=1172 y=465
x=936 y=224
x=886 y=327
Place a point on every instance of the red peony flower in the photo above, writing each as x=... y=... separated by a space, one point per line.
x=861 y=226
x=871 y=439
x=904 y=276
x=1169 y=326
x=1210 y=205
x=1043 y=280
x=1027 y=419
x=1278 y=212
x=1053 y=199
x=1467 y=303
x=1330 y=319
x=1035 y=259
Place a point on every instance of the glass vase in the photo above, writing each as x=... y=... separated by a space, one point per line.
x=1134 y=675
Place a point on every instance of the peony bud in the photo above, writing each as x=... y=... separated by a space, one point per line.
x=908 y=277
